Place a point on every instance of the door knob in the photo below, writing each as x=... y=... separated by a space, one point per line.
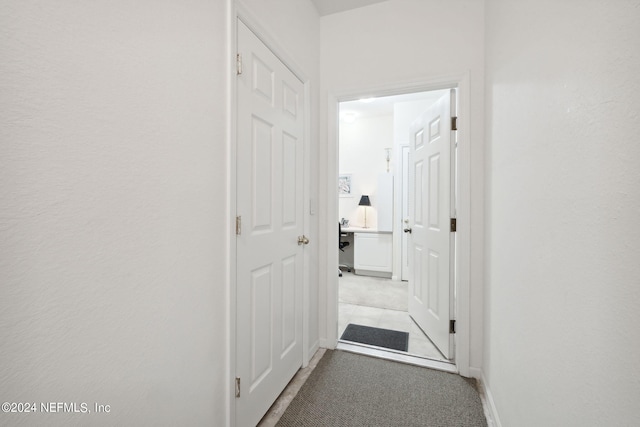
x=407 y=230
x=303 y=240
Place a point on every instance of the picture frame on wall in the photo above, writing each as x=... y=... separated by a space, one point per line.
x=345 y=185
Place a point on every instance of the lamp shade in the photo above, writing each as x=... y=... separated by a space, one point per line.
x=364 y=201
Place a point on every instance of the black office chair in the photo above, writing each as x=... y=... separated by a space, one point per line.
x=341 y=246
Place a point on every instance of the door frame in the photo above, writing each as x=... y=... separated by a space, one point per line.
x=399 y=202
x=237 y=11
x=461 y=309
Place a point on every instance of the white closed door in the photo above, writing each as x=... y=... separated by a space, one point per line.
x=430 y=237
x=269 y=205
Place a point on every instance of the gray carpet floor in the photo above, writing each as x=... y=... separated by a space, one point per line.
x=347 y=389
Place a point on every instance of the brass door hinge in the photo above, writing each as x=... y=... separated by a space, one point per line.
x=454 y=123
x=237 y=387
x=238 y=225
x=454 y=225
x=452 y=326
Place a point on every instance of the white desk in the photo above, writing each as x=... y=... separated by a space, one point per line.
x=359 y=230
x=372 y=251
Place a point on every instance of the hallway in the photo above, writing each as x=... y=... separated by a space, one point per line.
x=121 y=228
x=428 y=396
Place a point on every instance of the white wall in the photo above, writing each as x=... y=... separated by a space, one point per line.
x=113 y=222
x=112 y=245
x=397 y=42
x=563 y=204
x=362 y=154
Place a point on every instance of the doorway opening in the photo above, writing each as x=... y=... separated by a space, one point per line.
x=374 y=173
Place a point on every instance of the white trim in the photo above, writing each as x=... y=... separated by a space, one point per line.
x=397 y=208
x=397 y=356
x=324 y=343
x=475 y=373
x=312 y=350
x=463 y=214
x=453 y=206
x=307 y=353
x=488 y=404
x=253 y=22
x=231 y=209
x=237 y=10
x=328 y=262
x=328 y=254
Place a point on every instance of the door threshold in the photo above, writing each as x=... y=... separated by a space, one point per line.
x=402 y=357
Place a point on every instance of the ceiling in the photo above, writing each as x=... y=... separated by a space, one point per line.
x=382 y=106
x=327 y=7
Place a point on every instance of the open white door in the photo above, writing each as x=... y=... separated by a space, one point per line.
x=430 y=156
x=270 y=241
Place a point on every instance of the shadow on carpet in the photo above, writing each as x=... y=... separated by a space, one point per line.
x=347 y=389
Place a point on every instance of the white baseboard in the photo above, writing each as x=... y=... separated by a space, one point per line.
x=489 y=406
x=324 y=343
x=475 y=372
x=382 y=274
x=311 y=351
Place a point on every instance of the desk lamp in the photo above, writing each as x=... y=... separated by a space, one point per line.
x=364 y=201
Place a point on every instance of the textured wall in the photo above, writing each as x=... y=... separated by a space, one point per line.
x=113 y=216
x=112 y=219
x=563 y=202
x=362 y=145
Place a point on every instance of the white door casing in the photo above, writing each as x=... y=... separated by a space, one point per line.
x=404 y=152
x=269 y=204
x=430 y=211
